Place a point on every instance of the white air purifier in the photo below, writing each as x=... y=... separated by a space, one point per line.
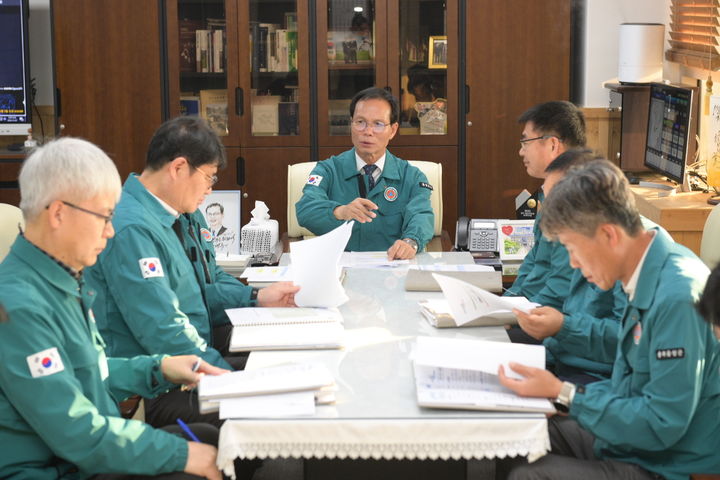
x=640 y=58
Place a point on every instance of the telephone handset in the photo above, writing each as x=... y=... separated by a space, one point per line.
x=476 y=235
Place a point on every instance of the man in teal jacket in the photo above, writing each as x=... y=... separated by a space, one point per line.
x=549 y=129
x=159 y=288
x=58 y=391
x=658 y=413
x=388 y=198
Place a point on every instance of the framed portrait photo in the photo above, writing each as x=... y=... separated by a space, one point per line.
x=221 y=210
x=437 y=52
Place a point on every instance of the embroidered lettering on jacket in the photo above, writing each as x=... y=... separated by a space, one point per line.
x=670 y=353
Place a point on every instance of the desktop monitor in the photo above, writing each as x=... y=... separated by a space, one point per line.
x=669 y=133
x=15 y=101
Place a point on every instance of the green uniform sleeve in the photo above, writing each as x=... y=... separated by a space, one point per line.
x=315 y=209
x=557 y=279
x=419 y=218
x=56 y=408
x=660 y=396
x=225 y=292
x=141 y=375
x=149 y=306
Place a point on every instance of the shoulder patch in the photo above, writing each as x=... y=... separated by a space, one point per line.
x=207 y=236
x=670 y=353
x=314 y=180
x=45 y=363
x=426 y=185
x=151 y=267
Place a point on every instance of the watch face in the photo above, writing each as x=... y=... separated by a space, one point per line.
x=561 y=407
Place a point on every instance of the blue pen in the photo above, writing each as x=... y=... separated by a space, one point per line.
x=187 y=430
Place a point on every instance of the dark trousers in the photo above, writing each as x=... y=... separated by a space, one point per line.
x=205 y=433
x=168 y=407
x=572 y=457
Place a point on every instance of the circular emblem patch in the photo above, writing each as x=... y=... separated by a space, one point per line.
x=391 y=194
x=206 y=234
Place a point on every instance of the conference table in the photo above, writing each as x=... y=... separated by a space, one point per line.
x=375 y=415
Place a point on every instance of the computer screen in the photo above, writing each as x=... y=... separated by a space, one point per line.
x=669 y=132
x=15 y=101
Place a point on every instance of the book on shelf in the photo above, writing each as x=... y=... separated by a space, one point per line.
x=187 y=28
x=462 y=374
x=218 y=51
x=189 y=105
x=285 y=329
x=291 y=21
x=288 y=118
x=213 y=108
x=265 y=115
x=202 y=50
x=419 y=277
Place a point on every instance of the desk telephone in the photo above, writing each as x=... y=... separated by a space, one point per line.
x=476 y=235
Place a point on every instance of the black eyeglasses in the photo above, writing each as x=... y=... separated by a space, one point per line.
x=107 y=218
x=361 y=125
x=212 y=179
x=526 y=140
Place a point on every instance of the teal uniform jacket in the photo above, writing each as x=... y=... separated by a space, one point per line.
x=151 y=297
x=545 y=273
x=402 y=194
x=661 y=407
x=60 y=419
x=587 y=340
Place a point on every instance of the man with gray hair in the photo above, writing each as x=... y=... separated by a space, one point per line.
x=657 y=414
x=58 y=390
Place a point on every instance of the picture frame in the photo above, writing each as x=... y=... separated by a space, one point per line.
x=221 y=210
x=437 y=51
x=515 y=238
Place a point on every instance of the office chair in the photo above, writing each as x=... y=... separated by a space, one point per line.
x=710 y=243
x=10 y=218
x=298 y=175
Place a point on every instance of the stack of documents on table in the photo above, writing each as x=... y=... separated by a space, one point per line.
x=462 y=374
x=419 y=277
x=264 y=276
x=466 y=305
x=232 y=263
x=285 y=328
x=316 y=268
x=281 y=391
x=369 y=260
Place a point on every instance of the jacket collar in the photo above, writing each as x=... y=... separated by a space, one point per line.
x=657 y=254
x=391 y=171
x=44 y=265
x=137 y=190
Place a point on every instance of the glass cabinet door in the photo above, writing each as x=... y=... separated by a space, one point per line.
x=351 y=57
x=274 y=72
x=424 y=70
x=200 y=76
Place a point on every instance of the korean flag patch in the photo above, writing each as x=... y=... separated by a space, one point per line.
x=314 y=180
x=45 y=363
x=150 y=267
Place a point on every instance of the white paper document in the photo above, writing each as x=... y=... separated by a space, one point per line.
x=315 y=267
x=471 y=267
x=287 y=337
x=267 y=274
x=456 y=373
x=468 y=302
x=263 y=381
x=369 y=260
x=281 y=405
x=255 y=316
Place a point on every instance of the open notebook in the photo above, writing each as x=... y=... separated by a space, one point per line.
x=285 y=329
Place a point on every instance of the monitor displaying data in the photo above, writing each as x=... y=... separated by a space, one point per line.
x=668 y=134
x=15 y=103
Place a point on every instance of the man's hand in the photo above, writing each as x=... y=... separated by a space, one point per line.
x=401 y=250
x=541 y=322
x=537 y=382
x=280 y=294
x=179 y=369
x=201 y=461
x=360 y=209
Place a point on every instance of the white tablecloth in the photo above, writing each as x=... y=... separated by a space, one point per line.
x=446 y=438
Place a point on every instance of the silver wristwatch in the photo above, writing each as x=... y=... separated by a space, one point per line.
x=411 y=242
x=565 y=397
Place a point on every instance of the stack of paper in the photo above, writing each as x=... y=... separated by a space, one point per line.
x=419 y=277
x=369 y=260
x=264 y=276
x=468 y=305
x=285 y=329
x=232 y=263
x=280 y=391
x=462 y=374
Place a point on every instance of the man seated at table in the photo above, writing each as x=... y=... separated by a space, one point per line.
x=388 y=198
x=579 y=338
x=549 y=129
x=658 y=413
x=159 y=288
x=58 y=390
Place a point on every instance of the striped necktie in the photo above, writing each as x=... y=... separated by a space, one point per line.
x=369 y=169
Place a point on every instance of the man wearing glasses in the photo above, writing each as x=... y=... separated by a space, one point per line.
x=388 y=198
x=159 y=288
x=550 y=129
